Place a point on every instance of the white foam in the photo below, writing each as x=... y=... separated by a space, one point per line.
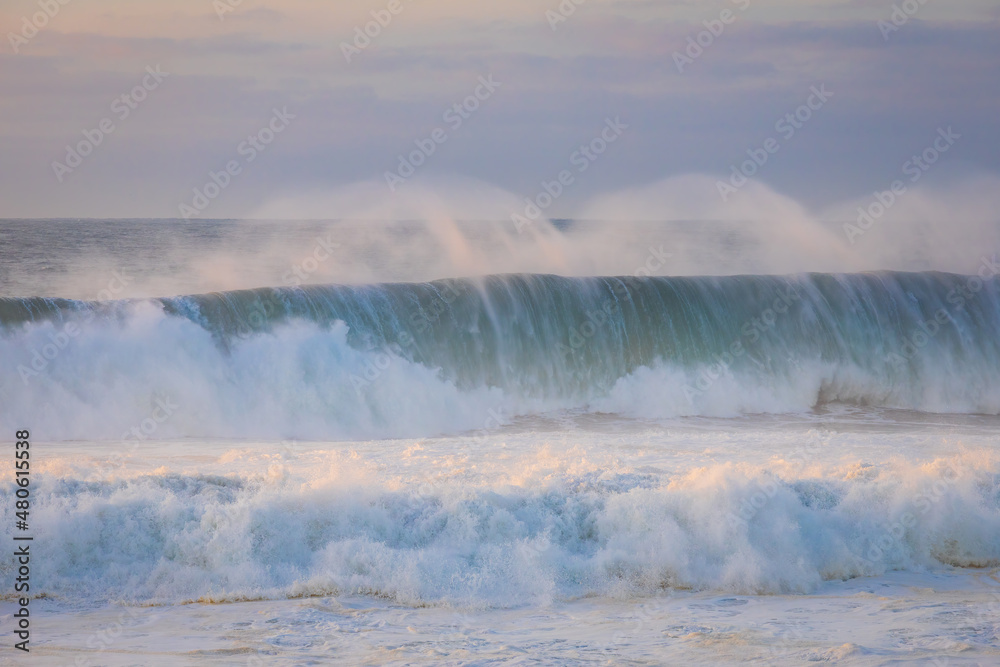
x=301 y=380
x=148 y=374
x=485 y=529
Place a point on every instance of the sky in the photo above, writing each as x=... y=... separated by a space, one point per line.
x=331 y=113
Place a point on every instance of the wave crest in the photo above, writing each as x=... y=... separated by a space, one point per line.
x=423 y=358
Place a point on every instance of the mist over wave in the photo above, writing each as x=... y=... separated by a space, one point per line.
x=449 y=226
x=414 y=359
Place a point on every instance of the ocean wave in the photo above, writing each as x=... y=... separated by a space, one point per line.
x=452 y=355
x=171 y=537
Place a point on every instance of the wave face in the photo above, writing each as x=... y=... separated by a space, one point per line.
x=424 y=358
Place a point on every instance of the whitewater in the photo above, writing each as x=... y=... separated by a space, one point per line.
x=511 y=468
x=422 y=359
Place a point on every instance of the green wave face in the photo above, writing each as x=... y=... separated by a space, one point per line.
x=914 y=340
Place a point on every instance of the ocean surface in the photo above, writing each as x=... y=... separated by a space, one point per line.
x=458 y=443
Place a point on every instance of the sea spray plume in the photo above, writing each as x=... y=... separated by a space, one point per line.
x=461 y=227
x=779 y=235
x=429 y=211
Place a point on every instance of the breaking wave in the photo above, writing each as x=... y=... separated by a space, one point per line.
x=464 y=354
x=168 y=538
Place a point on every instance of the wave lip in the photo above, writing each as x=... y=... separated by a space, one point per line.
x=422 y=358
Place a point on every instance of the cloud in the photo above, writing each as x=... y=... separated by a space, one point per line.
x=613 y=58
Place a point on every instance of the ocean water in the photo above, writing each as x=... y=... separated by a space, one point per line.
x=332 y=442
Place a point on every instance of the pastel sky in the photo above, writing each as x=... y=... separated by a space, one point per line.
x=608 y=59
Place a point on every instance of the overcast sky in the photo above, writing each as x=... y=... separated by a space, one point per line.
x=230 y=66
